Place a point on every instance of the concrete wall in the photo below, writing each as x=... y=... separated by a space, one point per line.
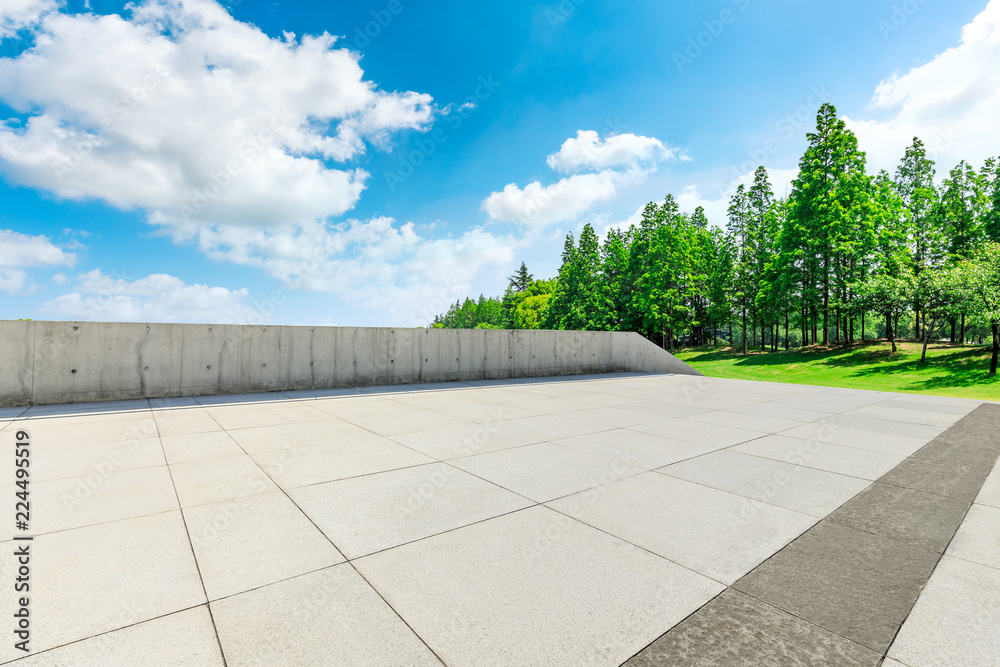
x=68 y=362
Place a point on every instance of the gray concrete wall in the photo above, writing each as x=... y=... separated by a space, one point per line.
x=69 y=362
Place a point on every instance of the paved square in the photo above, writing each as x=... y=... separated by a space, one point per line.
x=547 y=521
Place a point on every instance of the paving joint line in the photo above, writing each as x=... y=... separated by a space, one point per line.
x=194 y=555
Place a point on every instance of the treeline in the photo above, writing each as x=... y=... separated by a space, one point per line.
x=848 y=254
x=523 y=306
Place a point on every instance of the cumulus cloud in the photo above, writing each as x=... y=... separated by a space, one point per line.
x=538 y=205
x=622 y=159
x=17 y=15
x=20 y=251
x=952 y=103
x=178 y=109
x=587 y=151
x=233 y=142
x=373 y=263
x=155 y=298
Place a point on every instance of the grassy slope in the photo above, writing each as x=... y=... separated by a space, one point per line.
x=951 y=370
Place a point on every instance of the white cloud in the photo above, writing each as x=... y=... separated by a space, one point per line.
x=155 y=298
x=537 y=205
x=13 y=281
x=586 y=151
x=19 y=251
x=952 y=103
x=373 y=263
x=17 y=15
x=622 y=159
x=180 y=110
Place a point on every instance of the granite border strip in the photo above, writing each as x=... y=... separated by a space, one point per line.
x=838 y=594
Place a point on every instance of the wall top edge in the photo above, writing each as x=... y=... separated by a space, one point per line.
x=289 y=326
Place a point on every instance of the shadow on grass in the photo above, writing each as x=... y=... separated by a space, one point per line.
x=946 y=366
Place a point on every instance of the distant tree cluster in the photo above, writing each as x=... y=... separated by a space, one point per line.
x=846 y=253
x=523 y=306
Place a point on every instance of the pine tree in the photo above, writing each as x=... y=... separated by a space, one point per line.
x=520 y=280
x=744 y=290
x=915 y=185
x=827 y=202
x=990 y=178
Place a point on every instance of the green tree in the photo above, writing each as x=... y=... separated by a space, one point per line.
x=962 y=207
x=942 y=296
x=613 y=291
x=744 y=289
x=915 y=186
x=887 y=294
x=981 y=276
x=830 y=202
x=520 y=280
x=990 y=178
x=576 y=300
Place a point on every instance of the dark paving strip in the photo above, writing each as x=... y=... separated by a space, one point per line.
x=838 y=594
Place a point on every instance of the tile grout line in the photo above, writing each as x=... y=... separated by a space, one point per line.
x=194 y=555
x=327 y=538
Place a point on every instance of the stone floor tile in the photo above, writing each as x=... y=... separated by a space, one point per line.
x=806 y=490
x=374 y=512
x=215 y=480
x=182 y=638
x=718 y=534
x=956 y=621
x=978 y=539
x=299 y=466
x=534 y=588
x=329 y=617
x=546 y=471
x=96 y=579
x=858 y=585
x=735 y=629
x=640 y=449
x=861 y=463
x=254 y=541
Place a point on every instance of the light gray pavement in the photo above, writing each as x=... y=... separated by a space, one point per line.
x=958 y=613
x=568 y=521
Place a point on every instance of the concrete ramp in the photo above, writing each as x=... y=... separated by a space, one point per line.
x=70 y=362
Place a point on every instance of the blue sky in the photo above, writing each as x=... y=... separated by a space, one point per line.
x=190 y=161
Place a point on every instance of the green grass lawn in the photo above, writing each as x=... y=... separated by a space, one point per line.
x=951 y=370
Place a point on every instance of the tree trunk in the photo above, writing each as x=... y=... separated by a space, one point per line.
x=889 y=332
x=951 y=338
x=744 y=333
x=962 y=338
x=863 y=328
x=815 y=323
x=996 y=347
x=805 y=327
x=732 y=342
x=927 y=339
x=826 y=307
x=916 y=326
x=786 y=329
